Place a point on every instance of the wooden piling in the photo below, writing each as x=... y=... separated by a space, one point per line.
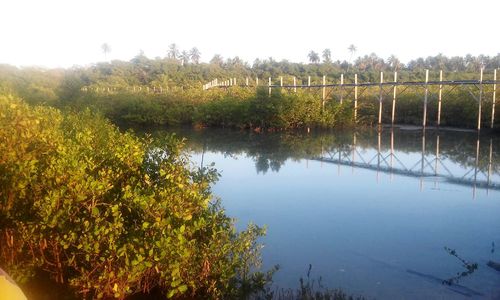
x=440 y=97
x=355 y=98
x=480 y=100
x=394 y=91
x=380 y=99
x=308 y=80
x=281 y=81
x=269 y=86
x=494 y=100
x=424 y=121
x=341 y=88
x=324 y=91
x=294 y=84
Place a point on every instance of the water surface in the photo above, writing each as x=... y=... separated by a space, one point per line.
x=370 y=211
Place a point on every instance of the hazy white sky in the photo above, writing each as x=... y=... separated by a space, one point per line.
x=57 y=33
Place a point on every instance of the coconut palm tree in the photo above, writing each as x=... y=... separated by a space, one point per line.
x=195 y=55
x=327 y=56
x=217 y=60
x=313 y=57
x=352 y=49
x=185 y=56
x=394 y=62
x=173 y=51
x=105 y=49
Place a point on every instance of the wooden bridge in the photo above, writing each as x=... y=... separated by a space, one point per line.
x=386 y=89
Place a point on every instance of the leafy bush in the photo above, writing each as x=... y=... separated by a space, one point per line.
x=112 y=215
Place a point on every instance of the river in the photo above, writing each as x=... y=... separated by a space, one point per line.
x=371 y=212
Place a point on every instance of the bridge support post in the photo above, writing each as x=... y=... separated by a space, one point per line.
x=355 y=98
x=324 y=91
x=341 y=88
x=426 y=95
x=380 y=99
x=494 y=100
x=394 y=91
x=480 y=100
x=440 y=97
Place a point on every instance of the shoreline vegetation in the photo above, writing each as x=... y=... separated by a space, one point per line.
x=169 y=91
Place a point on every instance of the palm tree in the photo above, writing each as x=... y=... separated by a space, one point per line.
x=313 y=57
x=195 y=55
x=352 y=49
x=105 y=49
x=327 y=56
x=173 y=51
x=217 y=60
x=185 y=57
x=394 y=62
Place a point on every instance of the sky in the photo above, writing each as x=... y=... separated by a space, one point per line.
x=54 y=33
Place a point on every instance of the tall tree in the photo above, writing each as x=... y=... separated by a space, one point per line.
x=185 y=57
x=195 y=55
x=105 y=49
x=327 y=56
x=217 y=60
x=394 y=62
x=352 y=49
x=173 y=51
x=313 y=57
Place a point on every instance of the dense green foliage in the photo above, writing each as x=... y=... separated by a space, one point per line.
x=111 y=215
x=168 y=91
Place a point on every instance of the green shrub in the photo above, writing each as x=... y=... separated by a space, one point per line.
x=112 y=215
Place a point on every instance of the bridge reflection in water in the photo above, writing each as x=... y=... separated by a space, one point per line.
x=428 y=165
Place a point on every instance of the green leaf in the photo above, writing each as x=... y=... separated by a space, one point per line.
x=95 y=211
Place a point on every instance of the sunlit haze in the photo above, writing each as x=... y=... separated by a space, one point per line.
x=65 y=33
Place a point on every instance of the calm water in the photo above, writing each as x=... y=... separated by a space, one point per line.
x=370 y=212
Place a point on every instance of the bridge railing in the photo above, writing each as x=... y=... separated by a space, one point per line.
x=386 y=89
